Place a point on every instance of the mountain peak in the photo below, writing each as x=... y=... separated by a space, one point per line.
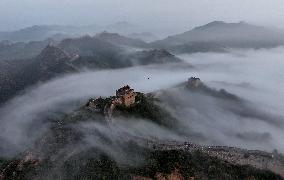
x=52 y=50
x=106 y=34
x=221 y=24
x=214 y=23
x=122 y=24
x=52 y=54
x=119 y=40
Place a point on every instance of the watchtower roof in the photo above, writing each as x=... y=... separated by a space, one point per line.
x=124 y=91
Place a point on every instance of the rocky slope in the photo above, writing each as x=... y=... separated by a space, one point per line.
x=20 y=74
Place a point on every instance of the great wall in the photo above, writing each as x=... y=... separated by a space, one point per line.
x=273 y=161
x=125 y=96
x=259 y=159
x=262 y=160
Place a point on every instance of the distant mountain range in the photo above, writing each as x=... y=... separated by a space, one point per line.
x=24 y=64
x=118 y=40
x=39 y=33
x=145 y=36
x=219 y=35
x=73 y=55
x=58 y=32
x=215 y=36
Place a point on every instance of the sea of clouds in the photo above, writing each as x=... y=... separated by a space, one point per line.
x=256 y=76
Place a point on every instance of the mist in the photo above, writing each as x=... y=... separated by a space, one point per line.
x=68 y=93
x=114 y=139
x=253 y=75
x=159 y=15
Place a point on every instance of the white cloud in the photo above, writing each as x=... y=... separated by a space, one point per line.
x=253 y=75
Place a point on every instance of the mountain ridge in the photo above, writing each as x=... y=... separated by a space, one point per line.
x=74 y=55
x=222 y=34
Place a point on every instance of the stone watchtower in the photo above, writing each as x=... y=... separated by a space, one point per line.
x=194 y=82
x=127 y=95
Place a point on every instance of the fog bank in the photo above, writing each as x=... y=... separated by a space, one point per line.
x=256 y=76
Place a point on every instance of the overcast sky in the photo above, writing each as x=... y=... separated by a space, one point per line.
x=169 y=14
